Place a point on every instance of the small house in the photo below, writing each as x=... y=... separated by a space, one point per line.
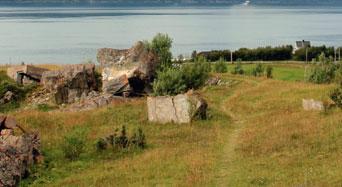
x=302 y=44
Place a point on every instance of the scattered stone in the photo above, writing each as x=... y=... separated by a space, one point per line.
x=17 y=153
x=8 y=97
x=70 y=83
x=127 y=71
x=213 y=81
x=311 y=104
x=182 y=108
x=25 y=74
x=40 y=96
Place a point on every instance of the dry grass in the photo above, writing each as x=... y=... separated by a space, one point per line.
x=282 y=145
x=257 y=135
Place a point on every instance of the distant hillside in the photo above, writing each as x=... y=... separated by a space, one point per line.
x=167 y=2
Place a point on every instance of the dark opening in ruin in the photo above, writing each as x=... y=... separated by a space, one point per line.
x=137 y=85
x=23 y=77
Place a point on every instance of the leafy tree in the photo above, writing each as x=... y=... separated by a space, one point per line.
x=161 y=44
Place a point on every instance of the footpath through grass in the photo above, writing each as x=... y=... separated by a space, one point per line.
x=257 y=135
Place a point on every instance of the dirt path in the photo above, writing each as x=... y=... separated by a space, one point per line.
x=238 y=121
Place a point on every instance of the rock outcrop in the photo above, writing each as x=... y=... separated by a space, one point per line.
x=92 y=101
x=25 y=74
x=310 y=104
x=17 y=153
x=70 y=83
x=127 y=71
x=182 y=108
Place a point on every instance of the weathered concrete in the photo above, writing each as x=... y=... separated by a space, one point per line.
x=25 y=73
x=71 y=82
x=129 y=70
x=182 y=108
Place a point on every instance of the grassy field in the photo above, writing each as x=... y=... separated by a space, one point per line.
x=257 y=135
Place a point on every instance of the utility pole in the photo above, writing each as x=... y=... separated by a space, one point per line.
x=335 y=55
x=231 y=56
x=306 y=55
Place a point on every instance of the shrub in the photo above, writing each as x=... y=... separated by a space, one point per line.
x=170 y=81
x=221 y=66
x=121 y=141
x=338 y=74
x=336 y=96
x=323 y=73
x=238 y=69
x=101 y=144
x=195 y=75
x=176 y=80
x=74 y=144
x=138 y=139
x=269 y=71
x=258 y=70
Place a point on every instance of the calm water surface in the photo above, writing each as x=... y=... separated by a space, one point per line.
x=72 y=35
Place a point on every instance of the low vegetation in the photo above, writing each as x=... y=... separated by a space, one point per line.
x=325 y=71
x=254 y=123
x=19 y=92
x=176 y=80
x=221 y=66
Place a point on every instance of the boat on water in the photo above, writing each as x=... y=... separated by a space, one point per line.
x=246 y=3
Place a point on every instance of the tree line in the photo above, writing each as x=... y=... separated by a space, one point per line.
x=266 y=54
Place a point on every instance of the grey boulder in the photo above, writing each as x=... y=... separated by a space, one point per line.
x=182 y=108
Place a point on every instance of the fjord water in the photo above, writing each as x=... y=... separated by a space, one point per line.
x=72 y=35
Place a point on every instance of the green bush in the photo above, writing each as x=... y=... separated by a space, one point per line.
x=221 y=66
x=238 y=69
x=269 y=70
x=338 y=74
x=138 y=139
x=176 y=80
x=258 y=70
x=74 y=144
x=325 y=71
x=336 y=96
x=170 y=81
x=101 y=144
x=121 y=141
